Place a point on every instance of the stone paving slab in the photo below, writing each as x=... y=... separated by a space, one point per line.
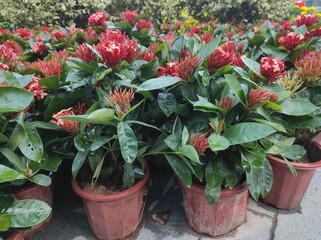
x=264 y=221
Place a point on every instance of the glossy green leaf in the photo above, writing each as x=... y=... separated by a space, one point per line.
x=41 y=179
x=167 y=103
x=297 y=107
x=294 y=152
x=204 y=105
x=173 y=141
x=149 y=70
x=272 y=51
x=8 y=174
x=14 y=99
x=180 y=168
x=27 y=213
x=212 y=195
x=100 y=73
x=128 y=142
x=247 y=132
x=213 y=175
x=101 y=141
x=209 y=47
x=158 y=83
x=102 y=115
x=274 y=125
x=51 y=82
x=252 y=65
x=189 y=152
x=4 y=223
x=78 y=162
x=128 y=176
x=13 y=158
x=236 y=88
x=185 y=136
x=218 y=142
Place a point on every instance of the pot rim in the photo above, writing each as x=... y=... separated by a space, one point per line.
x=31 y=187
x=224 y=192
x=113 y=196
x=301 y=166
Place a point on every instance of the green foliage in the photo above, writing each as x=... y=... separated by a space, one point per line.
x=30 y=13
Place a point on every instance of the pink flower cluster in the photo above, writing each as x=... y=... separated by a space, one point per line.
x=98 y=19
x=129 y=16
x=291 y=40
x=39 y=47
x=261 y=95
x=272 y=68
x=35 y=88
x=50 y=68
x=84 y=53
x=307 y=20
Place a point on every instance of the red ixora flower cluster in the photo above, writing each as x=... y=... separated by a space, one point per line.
x=115 y=47
x=309 y=67
x=98 y=19
x=39 y=47
x=199 y=142
x=83 y=52
x=150 y=53
x=291 y=40
x=307 y=20
x=4 y=67
x=24 y=33
x=35 y=88
x=272 y=68
x=120 y=100
x=226 y=103
x=129 y=15
x=143 y=24
x=50 y=68
x=57 y=34
x=261 y=95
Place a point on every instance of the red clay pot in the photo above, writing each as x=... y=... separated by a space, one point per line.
x=229 y=212
x=117 y=215
x=16 y=235
x=287 y=190
x=39 y=193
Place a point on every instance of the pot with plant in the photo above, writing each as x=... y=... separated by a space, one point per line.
x=25 y=190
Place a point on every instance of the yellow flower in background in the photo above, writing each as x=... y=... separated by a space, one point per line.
x=303 y=13
x=205 y=14
x=190 y=22
x=318 y=14
x=184 y=13
x=304 y=9
x=165 y=19
x=312 y=8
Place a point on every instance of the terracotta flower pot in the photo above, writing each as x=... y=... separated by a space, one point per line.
x=287 y=190
x=229 y=212
x=116 y=215
x=39 y=193
x=16 y=235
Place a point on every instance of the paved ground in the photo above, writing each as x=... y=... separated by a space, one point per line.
x=264 y=222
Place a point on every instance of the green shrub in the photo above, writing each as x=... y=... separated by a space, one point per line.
x=30 y=13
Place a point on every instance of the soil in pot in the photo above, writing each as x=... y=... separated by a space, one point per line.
x=229 y=212
x=287 y=190
x=33 y=191
x=115 y=215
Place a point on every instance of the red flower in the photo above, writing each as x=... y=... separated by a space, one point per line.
x=299 y=3
x=35 y=88
x=187 y=66
x=24 y=33
x=227 y=103
x=206 y=37
x=309 y=67
x=90 y=33
x=15 y=47
x=7 y=54
x=168 y=38
x=58 y=34
x=219 y=58
x=291 y=40
x=261 y=95
x=98 y=19
x=285 y=25
x=307 y=20
x=39 y=47
x=61 y=55
x=51 y=68
x=129 y=15
x=194 y=30
x=84 y=53
x=115 y=47
x=4 y=67
x=143 y=24
x=68 y=125
x=199 y=142
x=120 y=100
x=170 y=69
x=272 y=68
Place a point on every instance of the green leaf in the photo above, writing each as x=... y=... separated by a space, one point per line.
x=209 y=48
x=301 y=30
x=3 y=138
x=291 y=167
x=173 y=141
x=218 y=142
x=46 y=125
x=41 y=179
x=150 y=69
x=203 y=105
x=213 y=175
x=189 y=152
x=80 y=143
x=13 y=158
x=14 y=99
x=27 y=213
x=167 y=103
x=252 y=65
x=128 y=142
x=294 y=152
x=16 y=137
x=236 y=88
x=4 y=223
x=212 y=195
x=102 y=115
x=51 y=82
x=100 y=73
x=276 y=126
x=297 y=107
x=247 y=132
x=185 y=136
x=143 y=124
x=8 y=174
x=100 y=142
x=158 y=83
x=128 y=176
x=31 y=145
x=51 y=162
x=272 y=51
x=54 y=106
x=78 y=162
x=180 y=168
x=260 y=180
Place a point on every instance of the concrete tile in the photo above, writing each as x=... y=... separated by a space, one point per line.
x=262 y=208
x=303 y=223
x=257 y=227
